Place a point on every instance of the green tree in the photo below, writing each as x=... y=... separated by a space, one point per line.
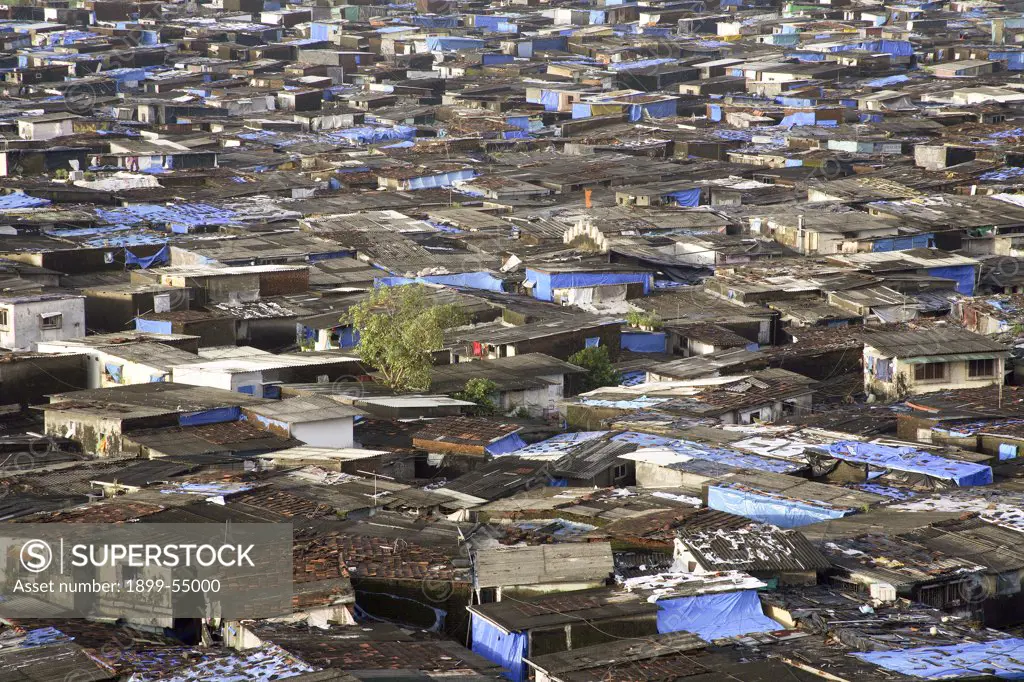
x=479 y=391
x=598 y=365
x=399 y=329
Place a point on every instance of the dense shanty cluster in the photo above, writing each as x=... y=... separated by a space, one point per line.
x=571 y=340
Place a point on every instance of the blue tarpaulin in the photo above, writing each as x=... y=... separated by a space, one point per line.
x=887 y=81
x=639 y=64
x=964 y=275
x=549 y=98
x=806 y=56
x=497 y=646
x=896 y=48
x=162 y=256
x=113 y=371
x=453 y=43
x=782 y=512
x=1014 y=59
x=563 y=442
x=644 y=342
x=217 y=415
x=185 y=213
x=800 y=118
x=372 y=135
x=153 y=326
x=1000 y=658
x=663 y=109
x=686 y=197
x=17 y=200
x=545 y=283
x=917 y=241
x=509 y=443
x=469 y=280
x=740 y=460
x=713 y=616
x=912 y=460
x=434 y=20
x=440 y=179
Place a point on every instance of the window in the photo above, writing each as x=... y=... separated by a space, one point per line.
x=620 y=471
x=930 y=371
x=3 y=317
x=51 y=321
x=981 y=368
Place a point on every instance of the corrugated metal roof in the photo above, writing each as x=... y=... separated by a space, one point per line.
x=576 y=562
x=757 y=547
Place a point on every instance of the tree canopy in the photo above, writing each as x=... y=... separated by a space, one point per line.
x=479 y=391
x=598 y=364
x=399 y=328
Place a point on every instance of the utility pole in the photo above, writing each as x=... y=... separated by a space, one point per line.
x=375 y=477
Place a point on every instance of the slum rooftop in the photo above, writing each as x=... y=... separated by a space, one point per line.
x=734 y=391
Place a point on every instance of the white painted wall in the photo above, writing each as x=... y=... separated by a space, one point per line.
x=131 y=372
x=202 y=375
x=329 y=433
x=45 y=130
x=24 y=328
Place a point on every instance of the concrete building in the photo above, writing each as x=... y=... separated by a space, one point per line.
x=900 y=364
x=28 y=320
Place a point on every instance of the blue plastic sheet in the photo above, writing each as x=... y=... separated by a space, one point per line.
x=644 y=342
x=769 y=509
x=44 y=636
x=497 y=646
x=113 y=371
x=713 y=616
x=547 y=282
x=469 y=280
x=1014 y=59
x=185 y=213
x=740 y=460
x=686 y=197
x=800 y=118
x=639 y=64
x=663 y=109
x=372 y=135
x=645 y=440
x=153 y=326
x=1000 y=658
x=964 y=275
x=807 y=56
x=912 y=460
x=563 y=442
x=887 y=81
x=217 y=415
x=917 y=241
x=509 y=443
x=17 y=200
x=896 y=48
x=453 y=43
x=434 y=20
x=634 y=378
x=318 y=31
x=582 y=110
x=440 y=179
x=491 y=22
x=162 y=256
